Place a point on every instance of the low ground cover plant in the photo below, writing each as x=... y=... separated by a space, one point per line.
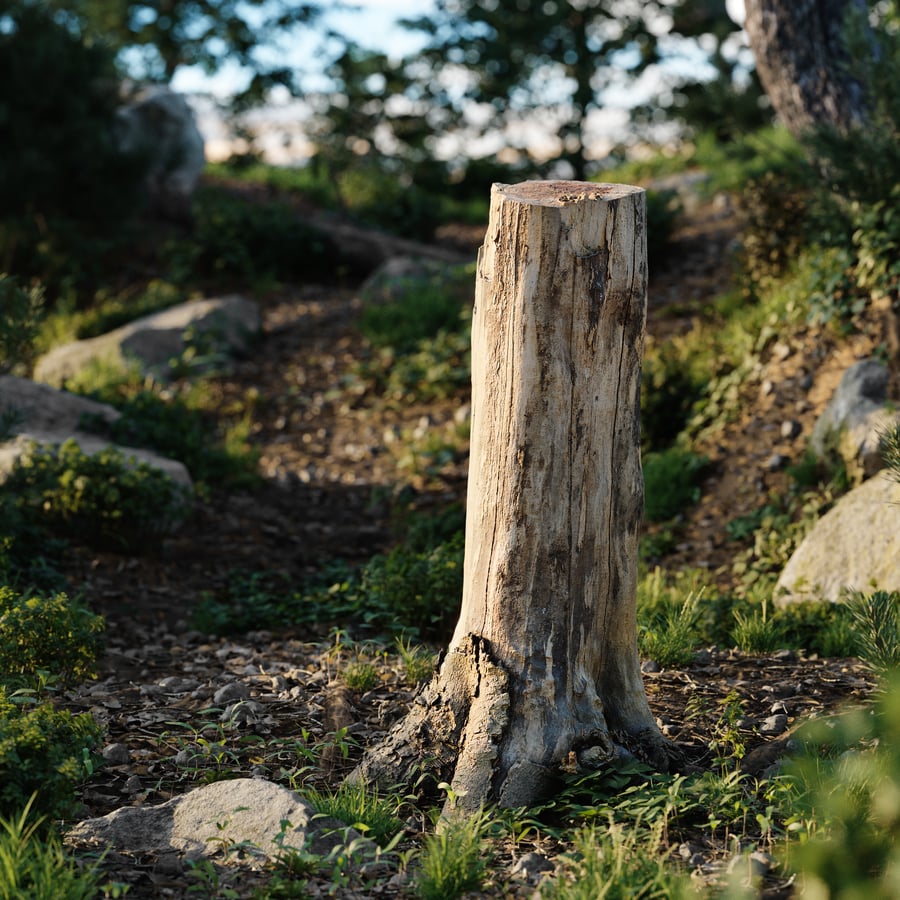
x=103 y=499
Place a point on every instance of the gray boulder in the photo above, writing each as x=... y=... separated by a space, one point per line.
x=217 y=325
x=261 y=816
x=854 y=546
x=39 y=413
x=159 y=125
x=855 y=418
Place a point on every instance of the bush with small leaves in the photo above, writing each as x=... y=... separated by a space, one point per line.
x=671 y=482
x=55 y=634
x=18 y=324
x=840 y=801
x=101 y=499
x=44 y=752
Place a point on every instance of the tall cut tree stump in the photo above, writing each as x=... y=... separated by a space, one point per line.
x=542 y=672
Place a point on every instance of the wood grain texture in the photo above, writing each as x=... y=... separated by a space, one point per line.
x=555 y=491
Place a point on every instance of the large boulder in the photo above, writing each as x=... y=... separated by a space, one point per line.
x=262 y=817
x=39 y=413
x=855 y=419
x=216 y=325
x=159 y=125
x=854 y=546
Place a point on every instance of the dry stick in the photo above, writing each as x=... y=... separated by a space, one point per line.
x=542 y=672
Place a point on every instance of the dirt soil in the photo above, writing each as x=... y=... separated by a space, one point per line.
x=329 y=465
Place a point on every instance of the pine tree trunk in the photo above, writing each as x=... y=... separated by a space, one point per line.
x=542 y=672
x=802 y=61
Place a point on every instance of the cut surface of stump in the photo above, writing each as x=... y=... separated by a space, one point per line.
x=542 y=672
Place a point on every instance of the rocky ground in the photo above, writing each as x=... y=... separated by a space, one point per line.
x=329 y=465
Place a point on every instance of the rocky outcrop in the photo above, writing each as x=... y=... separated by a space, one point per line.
x=158 y=125
x=262 y=817
x=855 y=419
x=39 y=413
x=854 y=546
x=212 y=327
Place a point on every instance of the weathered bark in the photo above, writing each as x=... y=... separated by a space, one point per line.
x=543 y=671
x=802 y=61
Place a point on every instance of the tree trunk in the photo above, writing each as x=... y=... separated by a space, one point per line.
x=542 y=672
x=801 y=60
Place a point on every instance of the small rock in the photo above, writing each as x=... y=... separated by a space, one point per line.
x=766 y=388
x=779 y=708
x=790 y=429
x=703 y=656
x=133 y=785
x=116 y=754
x=776 y=461
x=745 y=723
x=650 y=666
x=786 y=655
x=176 y=684
x=781 y=351
x=754 y=865
x=237 y=690
x=530 y=867
x=774 y=725
x=242 y=712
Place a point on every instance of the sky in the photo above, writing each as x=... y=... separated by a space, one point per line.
x=374 y=25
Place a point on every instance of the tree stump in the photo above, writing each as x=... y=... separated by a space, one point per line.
x=542 y=672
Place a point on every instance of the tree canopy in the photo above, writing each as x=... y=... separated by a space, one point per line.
x=153 y=39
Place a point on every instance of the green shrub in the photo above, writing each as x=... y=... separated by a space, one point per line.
x=438 y=368
x=402 y=593
x=453 y=860
x=44 y=752
x=252 y=600
x=758 y=631
x=670 y=639
x=876 y=620
x=235 y=239
x=108 y=312
x=34 y=865
x=53 y=633
x=360 y=807
x=616 y=863
x=841 y=798
x=663 y=211
x=775 y=227
x=671 y=482
x=670 y=386
x=65 y=188
x=19 y=322
x=169 y=424
x=416 y=312
x=101 y=499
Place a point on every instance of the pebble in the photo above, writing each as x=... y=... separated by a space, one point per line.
x=116 y=754
x=237 y=690
x=781 y=351
x=650 y=666
x=243 y=711
x=755 y=865
x=790 y=429
x=779 y=708
x=776 y=461
x=530 y=866
x=133 y=785
x=774 y=725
